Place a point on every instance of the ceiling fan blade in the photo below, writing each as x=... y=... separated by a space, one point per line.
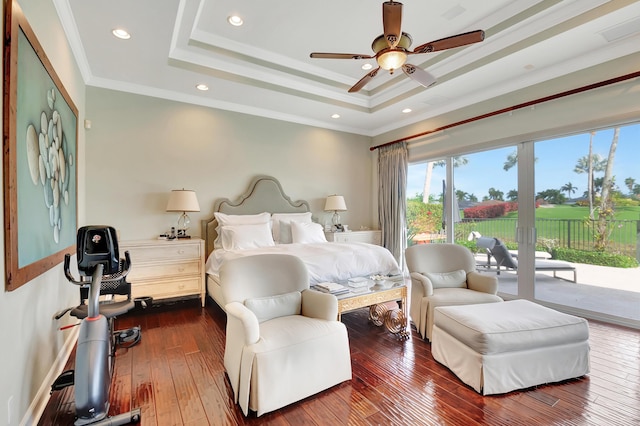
x=340 y=56
x=392 y=21
x=418 y=74
x=364 y=80
x=451 y=42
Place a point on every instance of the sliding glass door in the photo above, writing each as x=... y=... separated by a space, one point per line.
x=564 y=214
x=587 y=189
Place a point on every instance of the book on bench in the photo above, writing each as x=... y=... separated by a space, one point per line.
x=332 y=288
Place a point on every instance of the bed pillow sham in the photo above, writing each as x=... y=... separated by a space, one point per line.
x=244 y=237
x=238 y=219
x=306 y=233
x=281 y=225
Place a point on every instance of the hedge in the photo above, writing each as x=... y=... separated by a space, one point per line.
x=594 y=258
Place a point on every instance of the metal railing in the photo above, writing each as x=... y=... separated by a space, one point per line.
x=570 y=233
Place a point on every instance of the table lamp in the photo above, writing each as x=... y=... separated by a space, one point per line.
x=335 y=203
x=183 y=200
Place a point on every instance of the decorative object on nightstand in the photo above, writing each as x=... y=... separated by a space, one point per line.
x=335 y=203
x=183 y=200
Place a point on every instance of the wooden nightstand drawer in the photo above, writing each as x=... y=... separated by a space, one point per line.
x=165 y=269
x=371 y=237
x=166 y=289
x=165 y=251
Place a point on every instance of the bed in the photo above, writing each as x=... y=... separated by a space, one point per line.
x=239 y=228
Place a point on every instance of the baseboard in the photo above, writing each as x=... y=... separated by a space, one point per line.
x=39 y=403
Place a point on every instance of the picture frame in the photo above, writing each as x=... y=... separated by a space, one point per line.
x=40 y=145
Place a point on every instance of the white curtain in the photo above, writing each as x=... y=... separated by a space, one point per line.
x=393 y=166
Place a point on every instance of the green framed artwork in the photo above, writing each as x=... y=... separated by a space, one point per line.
x=39 y=157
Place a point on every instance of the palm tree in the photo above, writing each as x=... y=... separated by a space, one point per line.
x=457 y=162
x=512 y=160
x=630 y=182
x=606 y=207
x=569 y=189
x=590 y=164
x=461 y=195
x=512 y=195
x=495 y=194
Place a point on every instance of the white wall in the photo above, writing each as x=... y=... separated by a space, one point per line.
x=30 y=339
x=140 y=148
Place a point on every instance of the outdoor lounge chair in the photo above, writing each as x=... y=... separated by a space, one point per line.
x=504 y=259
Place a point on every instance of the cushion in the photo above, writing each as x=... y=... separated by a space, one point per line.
x=306 y=233
x=515 y=325
x=281 y=305
x=237 y=219
x=243 y=237
x=281 y=225
x=454 y=279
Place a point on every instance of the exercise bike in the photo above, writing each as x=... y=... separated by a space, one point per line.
x=101 y=272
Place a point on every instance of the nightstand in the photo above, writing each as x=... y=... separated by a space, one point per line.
x=166 y=269
x=371 y=237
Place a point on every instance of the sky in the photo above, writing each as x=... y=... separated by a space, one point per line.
x=555 y=163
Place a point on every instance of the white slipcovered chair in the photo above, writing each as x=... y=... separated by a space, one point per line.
x=443 y=275
x=283 y=341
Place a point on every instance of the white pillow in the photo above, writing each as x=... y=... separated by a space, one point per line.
x=307 y=233
x=237 y=219
x=455 y=279
x=281 y=225
x=243 y=237
x=267 y=308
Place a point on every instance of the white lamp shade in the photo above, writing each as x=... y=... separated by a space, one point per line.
x=183 y=200
x=335 y=203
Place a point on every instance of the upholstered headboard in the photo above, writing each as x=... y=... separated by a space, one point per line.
x=264 y=194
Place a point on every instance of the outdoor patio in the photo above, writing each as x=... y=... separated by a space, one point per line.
x=613 y=292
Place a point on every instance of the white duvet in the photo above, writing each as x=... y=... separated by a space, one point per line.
x=332 y=262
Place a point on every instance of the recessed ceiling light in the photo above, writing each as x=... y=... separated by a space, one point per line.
x=335 y=116
x=121 y=33
x=367 y=66
x=235 y=20
x=202 y=87
x=406 y=110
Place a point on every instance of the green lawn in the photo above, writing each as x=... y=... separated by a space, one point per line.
x=564 y=226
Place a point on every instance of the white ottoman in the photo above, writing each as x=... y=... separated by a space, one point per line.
x=500 y=347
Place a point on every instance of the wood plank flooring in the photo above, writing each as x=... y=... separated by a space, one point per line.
x=176 y=376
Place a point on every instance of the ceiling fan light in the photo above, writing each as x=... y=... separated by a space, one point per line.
x=392 y=59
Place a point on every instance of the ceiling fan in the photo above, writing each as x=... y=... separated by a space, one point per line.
x=392 y=48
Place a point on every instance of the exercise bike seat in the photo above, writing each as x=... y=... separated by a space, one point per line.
x=111 y=284
x=108 y=309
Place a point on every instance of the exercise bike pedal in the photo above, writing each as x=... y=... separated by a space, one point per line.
x=65 y=379
x=129 y=337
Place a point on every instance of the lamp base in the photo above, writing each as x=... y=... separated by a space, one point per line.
x=335 y=219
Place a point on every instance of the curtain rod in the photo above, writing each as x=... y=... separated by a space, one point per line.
x=515 y=107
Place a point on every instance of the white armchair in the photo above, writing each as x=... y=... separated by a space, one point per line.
x=283 y=341
x=443 y=275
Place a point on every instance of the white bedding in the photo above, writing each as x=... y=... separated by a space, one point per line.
x=331 y=262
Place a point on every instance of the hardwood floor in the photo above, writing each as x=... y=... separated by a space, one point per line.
x=176 y=376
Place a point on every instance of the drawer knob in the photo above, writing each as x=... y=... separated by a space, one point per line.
x=180 y=251
x=181 y=269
